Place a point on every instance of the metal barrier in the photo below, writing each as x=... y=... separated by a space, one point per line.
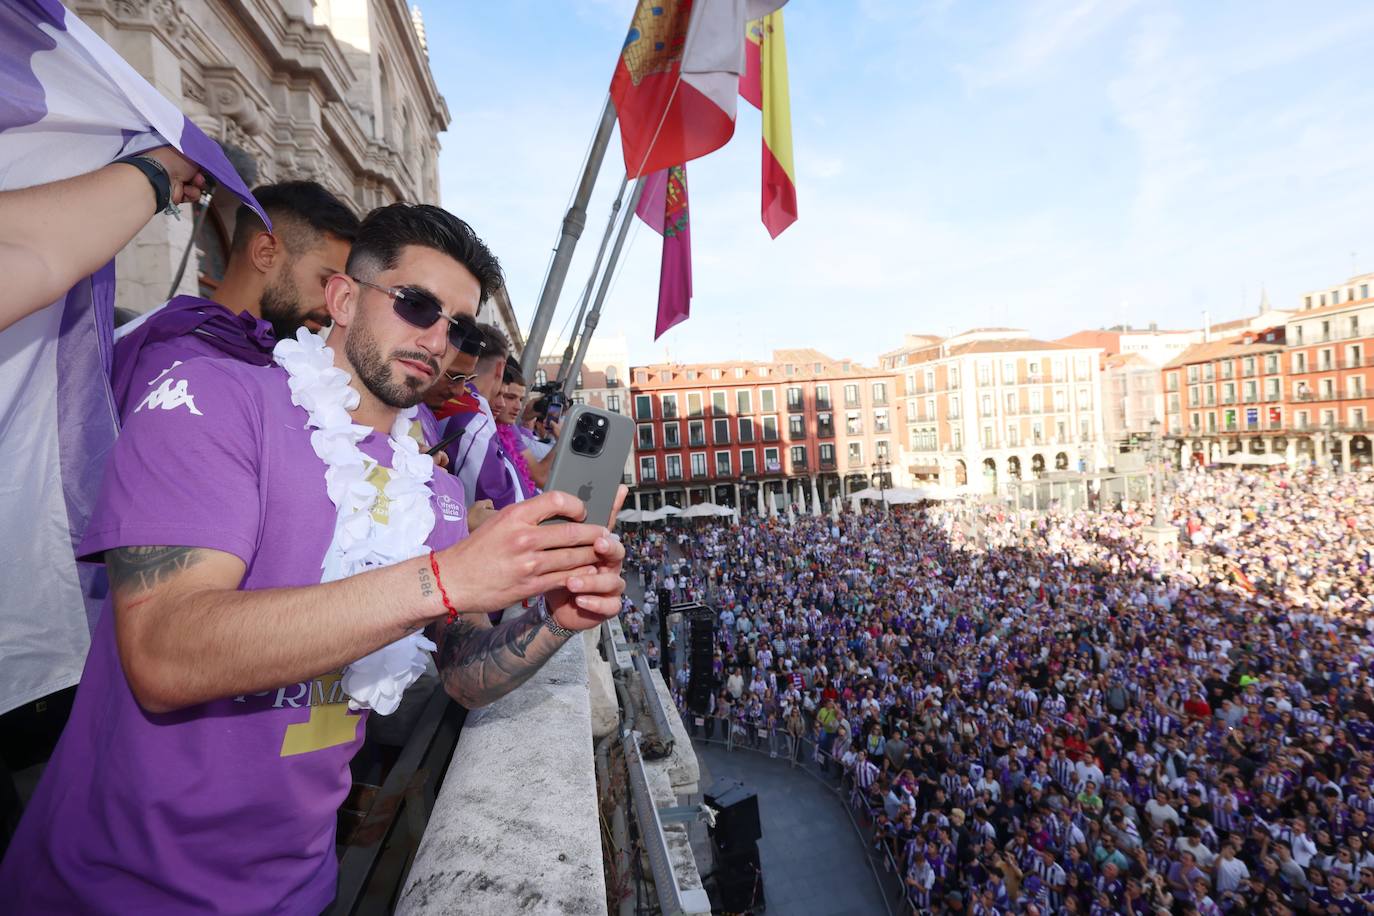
x=806 y=755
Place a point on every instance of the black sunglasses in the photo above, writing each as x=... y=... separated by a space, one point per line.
x=420 y=309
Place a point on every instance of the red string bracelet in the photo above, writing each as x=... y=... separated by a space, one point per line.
x=448 y=605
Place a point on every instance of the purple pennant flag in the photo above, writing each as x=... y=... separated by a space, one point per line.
x=663 y=205
x=68 y=105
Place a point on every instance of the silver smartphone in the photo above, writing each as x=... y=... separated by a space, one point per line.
x=589 y=459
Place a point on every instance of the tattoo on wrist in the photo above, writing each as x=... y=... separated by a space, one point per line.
x=133 y=570
x=480 y=664
x=427 y=588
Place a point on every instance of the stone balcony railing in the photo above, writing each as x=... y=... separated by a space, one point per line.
x=515 y=826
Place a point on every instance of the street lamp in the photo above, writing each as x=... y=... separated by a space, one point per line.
x=1154 y=461
x=880 y=469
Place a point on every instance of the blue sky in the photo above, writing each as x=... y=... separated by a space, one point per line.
x=1047 y=165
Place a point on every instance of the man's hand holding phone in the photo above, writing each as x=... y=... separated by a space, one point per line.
x=512 y=557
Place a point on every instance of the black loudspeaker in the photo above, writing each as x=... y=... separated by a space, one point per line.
x=740 y=881
x=737 y=819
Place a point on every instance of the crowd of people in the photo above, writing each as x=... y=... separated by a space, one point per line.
x=1057 y=715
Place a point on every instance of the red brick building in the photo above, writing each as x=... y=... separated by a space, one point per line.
x=805 y=427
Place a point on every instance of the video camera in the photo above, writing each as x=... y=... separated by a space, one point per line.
x=551 y=403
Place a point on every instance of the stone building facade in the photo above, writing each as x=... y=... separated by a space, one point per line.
x=338 y=91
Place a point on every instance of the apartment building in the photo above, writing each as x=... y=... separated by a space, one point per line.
x=994 y=404
x=802 y=428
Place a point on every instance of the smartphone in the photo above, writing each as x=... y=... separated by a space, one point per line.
x=589 y=459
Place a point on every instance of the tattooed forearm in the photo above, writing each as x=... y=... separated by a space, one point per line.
x=133 y=570
x=482 y=664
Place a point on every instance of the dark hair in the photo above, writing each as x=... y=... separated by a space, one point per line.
x=497 y=346
x=386 y=230
x=301 y=211
x=512 y=375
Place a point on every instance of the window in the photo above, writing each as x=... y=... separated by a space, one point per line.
x=989 y=440
x=1081 y=370
x=1171 y=381
x=764 y=371
x=1271 y=364
x=1271 y=389
x=644 y=407
x=794 y=399
x=1325 y=361
x=648 y=468
x=668 y=403
x=698 y=464
x=954 y=406
x=611 y=378
x=1209 y=394
x=541 y=377
x=930 y=410
x=1326 y=330
x=1192 y=374
x=930 y=380
x=720 y=401
x=717 y=373
x=1297 y=329
x=1302 y=419
x=984 y=373
x=744 y=402
x=1227 y=369
x=723 y=464
x=646 y=437
x=1355 y=386
x=880 y=449
x=674 y=463
x=879 y=394
x=766 y=396
x=1013 y=435
x=815 y=367
x=1085 y=429
x=1228 y=393
x=1299 y=362
x=1356 y=354
x=613 y=403
x=986 y=406
x=851 y=395
x=1211 y=421
x=1248 y=365
x=799 y=457
x=746 y=461
x=739 y=372
x=672 y=435
x=770 y=429
x=880 y=424
x=1209 y=372
x=853 y=423
x=746 y=429
x=1037 y=401
x=825 y=425
x=720 y=431
x=827 y=455
x=696 y=433
x=1061 y=400
x=694 y=404
x=579 y=380
x=822 y=397
x=1085 y=399
x=1038 y=433
x=856 y=454
x=771 y=462
x=1057 y=366
x=796 y=426
x=1011 y=403
x=692 y=375
x=1009 y=372
x=1357 y=417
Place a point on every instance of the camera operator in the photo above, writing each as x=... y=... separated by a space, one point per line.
x=208 y=749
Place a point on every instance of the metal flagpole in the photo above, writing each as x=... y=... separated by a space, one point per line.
x=595 y=315
x=591 y=282
x=573 y=224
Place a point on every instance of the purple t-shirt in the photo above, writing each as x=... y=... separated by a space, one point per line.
x=229 y=806
x=184 y=328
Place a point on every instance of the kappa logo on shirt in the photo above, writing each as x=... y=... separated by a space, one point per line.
x=450 y=508
x=170 y=395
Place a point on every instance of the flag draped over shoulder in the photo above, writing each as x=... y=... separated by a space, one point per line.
x=663 y=205
x=764 y=86
x=677 y=79
x=68 y=105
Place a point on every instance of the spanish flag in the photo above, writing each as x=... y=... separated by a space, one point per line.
x=764 y=85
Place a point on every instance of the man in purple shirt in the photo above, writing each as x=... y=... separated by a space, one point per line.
x=208 y=748
x=476 y=458
x=273 y=284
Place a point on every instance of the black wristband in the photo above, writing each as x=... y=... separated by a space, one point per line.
x=157 y=176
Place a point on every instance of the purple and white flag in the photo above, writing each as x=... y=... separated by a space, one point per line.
x=68 y=105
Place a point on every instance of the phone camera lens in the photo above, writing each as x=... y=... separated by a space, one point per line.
x=579 y=443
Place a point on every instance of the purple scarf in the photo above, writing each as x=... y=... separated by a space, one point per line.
x=241 y=337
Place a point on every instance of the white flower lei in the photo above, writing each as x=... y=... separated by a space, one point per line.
x=360 y=542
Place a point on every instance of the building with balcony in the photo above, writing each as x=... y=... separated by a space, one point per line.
x=1132 y=398
x=338 y=91
x=1225 y=395
x=1330 y=365
x=995 y=404
x=802 y=428
x=1151 y=344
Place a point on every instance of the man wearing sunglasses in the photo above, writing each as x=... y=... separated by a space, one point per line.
x=273 y=284
x=208 y=747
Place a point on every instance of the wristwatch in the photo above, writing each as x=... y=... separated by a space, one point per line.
x=555 y=629
x=158 y=177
